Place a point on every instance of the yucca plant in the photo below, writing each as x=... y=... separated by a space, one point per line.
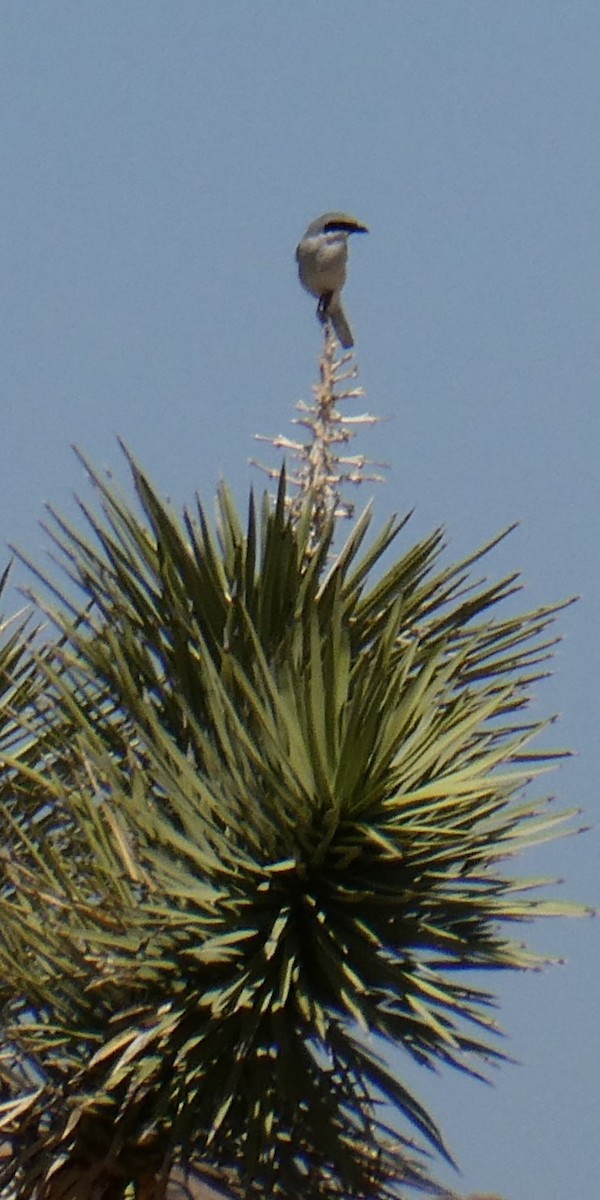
x=258 y=807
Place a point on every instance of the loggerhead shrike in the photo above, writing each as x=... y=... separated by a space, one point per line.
x=321 y=256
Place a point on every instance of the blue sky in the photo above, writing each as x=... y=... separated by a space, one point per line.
x=159 y=163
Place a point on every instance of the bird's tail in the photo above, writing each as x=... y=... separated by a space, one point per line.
x=339 y=321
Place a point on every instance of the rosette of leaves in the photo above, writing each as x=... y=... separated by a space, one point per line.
x=258 y=808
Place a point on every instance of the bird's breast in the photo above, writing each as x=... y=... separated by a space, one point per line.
x=322 y=263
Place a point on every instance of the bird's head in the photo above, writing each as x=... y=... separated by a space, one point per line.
x=335 y=222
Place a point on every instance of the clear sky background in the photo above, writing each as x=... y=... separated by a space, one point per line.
x=159 y=162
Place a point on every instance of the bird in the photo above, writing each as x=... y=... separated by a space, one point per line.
x=321 y=256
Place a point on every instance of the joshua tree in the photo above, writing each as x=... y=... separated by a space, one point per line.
x=259 y=800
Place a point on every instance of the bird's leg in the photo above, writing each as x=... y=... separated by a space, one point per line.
x=323 y=307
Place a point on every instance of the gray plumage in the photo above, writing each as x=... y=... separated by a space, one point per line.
x=322 y=256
